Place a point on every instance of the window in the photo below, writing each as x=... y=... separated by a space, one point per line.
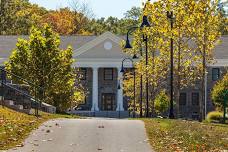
x=83 y=73
x=183 y=99
x=215 y=74
x=195 y=99
x=108 y=74
x=2 y=73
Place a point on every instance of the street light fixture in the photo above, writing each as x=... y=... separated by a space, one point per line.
x=128 y=44
x=122 y=70
x=145 y=22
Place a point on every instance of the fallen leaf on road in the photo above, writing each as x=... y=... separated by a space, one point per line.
x=146 y=140
x=72 y=144
x=21 y=145
x=48 y=131
x=36 y=144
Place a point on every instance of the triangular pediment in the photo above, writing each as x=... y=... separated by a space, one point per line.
x=105 y=46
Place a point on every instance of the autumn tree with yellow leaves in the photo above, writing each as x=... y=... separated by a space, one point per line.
x=193 y=45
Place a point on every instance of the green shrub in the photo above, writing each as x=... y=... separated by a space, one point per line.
x=161 y=102
x=214 y=116
x=218 y=93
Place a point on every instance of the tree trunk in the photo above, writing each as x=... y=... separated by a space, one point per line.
x=152 y=87
x=202 y=85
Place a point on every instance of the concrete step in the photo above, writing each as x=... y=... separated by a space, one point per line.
x=105 y=114
x=19 y=108
x=8 y=102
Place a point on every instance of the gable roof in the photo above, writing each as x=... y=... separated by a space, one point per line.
x=98 y=40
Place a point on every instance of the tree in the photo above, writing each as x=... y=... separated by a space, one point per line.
x=186 y=35
x=18 y=16
x=218 y=92
x=134 y=13
x=83 y=15
x=206 y=35
x=40 y=61
x=6 y=15
x=115 y=25
x=222 y=8
x=62 y=21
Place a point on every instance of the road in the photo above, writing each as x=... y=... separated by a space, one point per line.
x=87 y=135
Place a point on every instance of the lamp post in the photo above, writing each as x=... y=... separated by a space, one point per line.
x=122 y=71
x=145 y=23
x=171 y=18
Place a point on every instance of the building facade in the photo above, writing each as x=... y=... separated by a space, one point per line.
x=100 y=60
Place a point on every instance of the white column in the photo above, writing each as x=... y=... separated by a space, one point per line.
x=95 y=90
x=120 y=92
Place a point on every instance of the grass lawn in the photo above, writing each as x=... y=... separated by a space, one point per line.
x=178 y=135
x=15 y=126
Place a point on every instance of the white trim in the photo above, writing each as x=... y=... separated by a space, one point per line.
x=102 y=64
x=219 y=63
x=96 y=41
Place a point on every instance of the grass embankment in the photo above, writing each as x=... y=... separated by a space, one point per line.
x=15 y=126
x=178 y=135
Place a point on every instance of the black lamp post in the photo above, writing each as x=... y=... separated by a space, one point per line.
x=122 y=71
x=128 y=46
x=171 y=18
x=145 y=39
x=145 y=23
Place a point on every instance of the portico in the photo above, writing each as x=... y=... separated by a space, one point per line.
x=101 y=91
x=101 y=60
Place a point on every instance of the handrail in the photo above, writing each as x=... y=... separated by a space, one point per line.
x=21 y=92
x=30 y=83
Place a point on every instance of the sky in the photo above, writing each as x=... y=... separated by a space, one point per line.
x=101 y=8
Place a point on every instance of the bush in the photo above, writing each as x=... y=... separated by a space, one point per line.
x=214 y=116
x=161 y=102
x=218 y=93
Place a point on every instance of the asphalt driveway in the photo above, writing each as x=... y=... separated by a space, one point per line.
x=88 y=135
